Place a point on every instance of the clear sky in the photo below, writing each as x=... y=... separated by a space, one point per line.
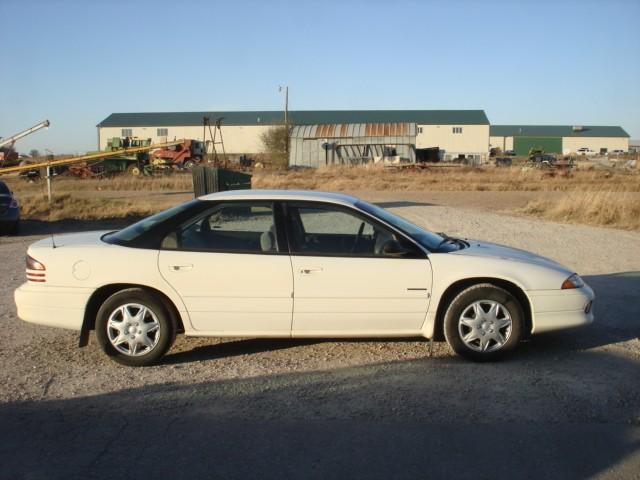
x=523 y=62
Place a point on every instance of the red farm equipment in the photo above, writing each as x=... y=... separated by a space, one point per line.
x=184 y=155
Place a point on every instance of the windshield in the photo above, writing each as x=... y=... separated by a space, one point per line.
x=429 y=240
x=139 y=228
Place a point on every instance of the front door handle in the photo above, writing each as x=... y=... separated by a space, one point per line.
x=310 y=270
x=181 y=268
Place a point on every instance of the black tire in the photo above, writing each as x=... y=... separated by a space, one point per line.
x=463 y=303
x=134 y=170
x=15 y=228
x=158 y=315
x=188 y=164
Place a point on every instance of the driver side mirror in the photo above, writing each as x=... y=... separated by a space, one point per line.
x=393 y=248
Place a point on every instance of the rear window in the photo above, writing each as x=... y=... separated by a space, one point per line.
x=4 y=190
x=133 y=232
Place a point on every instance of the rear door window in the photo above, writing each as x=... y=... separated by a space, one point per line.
x=230 y=227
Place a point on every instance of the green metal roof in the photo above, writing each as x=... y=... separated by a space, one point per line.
x=298 y=117
x=555 y=131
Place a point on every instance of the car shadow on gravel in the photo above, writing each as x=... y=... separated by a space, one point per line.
x=253 y=346
x=400 y=419
x=233 y=348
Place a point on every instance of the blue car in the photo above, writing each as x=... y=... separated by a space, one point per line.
x=9 y=210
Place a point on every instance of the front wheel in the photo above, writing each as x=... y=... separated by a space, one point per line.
x=188 y=164
x=134 y=328
x=483 y=322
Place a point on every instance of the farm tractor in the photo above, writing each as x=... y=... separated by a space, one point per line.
x=136 y=163
x=183 y=156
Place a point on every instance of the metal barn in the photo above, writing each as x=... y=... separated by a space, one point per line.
x=352 y=144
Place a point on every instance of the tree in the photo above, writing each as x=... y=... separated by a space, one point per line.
x=34 y=153
x=274 y=142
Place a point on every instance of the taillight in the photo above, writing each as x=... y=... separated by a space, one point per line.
x=14 y=203
x=33 y=264
x=35 y=270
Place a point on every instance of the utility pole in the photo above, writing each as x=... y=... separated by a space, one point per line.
x=205 y=122
x=286 y=114
x=286 y=107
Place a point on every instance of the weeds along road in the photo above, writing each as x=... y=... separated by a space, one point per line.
x=566 y=405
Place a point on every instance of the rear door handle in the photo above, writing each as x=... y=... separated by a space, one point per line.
x=310 y=270
x=181 y=268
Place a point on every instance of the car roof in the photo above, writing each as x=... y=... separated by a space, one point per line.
x=300 y=195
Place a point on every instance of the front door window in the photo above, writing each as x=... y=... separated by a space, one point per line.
x=329 y=230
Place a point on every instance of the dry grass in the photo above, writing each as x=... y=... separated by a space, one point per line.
x=604 y=208
x=173 y=183
x=593 y=197
x=445 y=179
x=68 y=207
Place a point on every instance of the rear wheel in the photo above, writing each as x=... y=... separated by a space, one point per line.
x=134 y=170
x=483 y=322
x=134 y=328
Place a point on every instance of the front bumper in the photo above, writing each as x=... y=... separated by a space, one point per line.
x=61 y=307
x=560 y=309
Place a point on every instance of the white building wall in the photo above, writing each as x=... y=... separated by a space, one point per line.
x=572 y=144
x=237 y=138
x=508 y=143
x=504 y=143
x=474 y=139
x=497 y=142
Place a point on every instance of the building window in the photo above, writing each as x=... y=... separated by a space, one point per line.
x=127 y=132
x=419 y=129
x=457 y=130
x=162 y=132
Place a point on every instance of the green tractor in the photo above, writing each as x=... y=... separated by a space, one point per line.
x=134 y=164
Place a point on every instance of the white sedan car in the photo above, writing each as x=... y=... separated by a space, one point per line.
x=298 y=264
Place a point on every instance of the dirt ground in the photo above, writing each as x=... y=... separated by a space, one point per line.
x=566 y=405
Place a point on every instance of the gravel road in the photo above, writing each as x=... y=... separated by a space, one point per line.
x=567 y=405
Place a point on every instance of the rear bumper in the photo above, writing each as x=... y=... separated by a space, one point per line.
x=61 y=307
x=561 y=309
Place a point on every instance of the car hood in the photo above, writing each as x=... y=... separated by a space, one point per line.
x=83 y=239
x=493 y=250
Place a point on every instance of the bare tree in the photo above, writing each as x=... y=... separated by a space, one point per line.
x=275 y=142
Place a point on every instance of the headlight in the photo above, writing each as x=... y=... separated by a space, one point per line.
x=574 y=281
